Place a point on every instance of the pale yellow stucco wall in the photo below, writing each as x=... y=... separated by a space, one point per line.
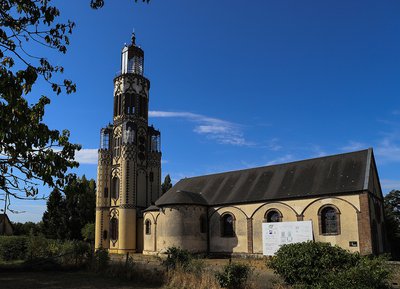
x=178 y=225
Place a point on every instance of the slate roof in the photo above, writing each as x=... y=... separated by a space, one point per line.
x=330 y=175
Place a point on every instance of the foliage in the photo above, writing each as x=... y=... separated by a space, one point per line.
x=178 y=258
x=54 y=218
x=32 y=154
x=96 y=4
x=24 y=229
x=392 y=221
x=101 y=260
x=37 y=247
x=366 y=274
x=13 y=248
x=234 y=276
x=65 y=217
x=166 y=185
x=320 y=265
x=88 y=232
x=33 y=248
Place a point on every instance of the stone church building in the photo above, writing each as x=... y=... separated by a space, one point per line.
x=222 y=213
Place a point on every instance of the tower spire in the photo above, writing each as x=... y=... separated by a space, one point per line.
x=133 y=37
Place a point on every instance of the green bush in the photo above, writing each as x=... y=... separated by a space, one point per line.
x=101 y=260
x=33 y=248
x=368 y=273
x=38 y=247
x=320 y=265
x=13 y=248
x=233 y=276
x=178 y=257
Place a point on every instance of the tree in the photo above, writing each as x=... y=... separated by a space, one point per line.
x=166 y=185
x=67 y=215
x=88 y=232
x=96 y=4
x=27 y=228
x=54 y=219
x=80 y=197
x=392 y=222
x=32 y=154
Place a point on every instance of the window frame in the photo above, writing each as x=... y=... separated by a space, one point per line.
x=273 y=210
x=147 y=227
x=323 y=227
x=115 y=188
x=223 y=221
x=203 y=224
x=114 y=229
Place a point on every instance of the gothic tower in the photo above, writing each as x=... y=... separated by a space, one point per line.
x=129 y=166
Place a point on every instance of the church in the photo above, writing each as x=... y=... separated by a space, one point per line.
x=222 y=213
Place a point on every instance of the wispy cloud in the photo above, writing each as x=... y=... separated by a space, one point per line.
x=388 y=150
x=284 y=159
x=389 y=185
x=396 y=112
x=86 y=156
x=274 y=145
x=354 y=146
x=222 y=131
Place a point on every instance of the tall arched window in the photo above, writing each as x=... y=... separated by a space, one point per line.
x=148 y=227
x=203 y=224
x=227 y=225
x=329 y=220
x=273 y=216
x=115 y=188
x=114 y=228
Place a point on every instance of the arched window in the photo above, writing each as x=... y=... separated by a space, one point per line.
x=115 y=188
x=129 y=133
x=148 y=227
x=227 y=225
x=105 y=192
x=105 y=235
x=129 y=104
x=329 y=220
x=203 y=224
x=273 y=216
x=114 y=228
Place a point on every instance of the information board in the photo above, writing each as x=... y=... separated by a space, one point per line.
x=277 y=234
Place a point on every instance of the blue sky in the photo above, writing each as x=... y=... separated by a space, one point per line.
x=238 y=84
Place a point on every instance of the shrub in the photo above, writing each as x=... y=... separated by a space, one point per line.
x=234 y=276
x=101 y=260
x=366 y=274
x=13 y=248
x=88 y=232
x=38 y=247
x=178 y=257
x=320 y=265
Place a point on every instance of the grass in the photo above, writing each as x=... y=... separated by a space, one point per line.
x=147 y=273
x=64 y=280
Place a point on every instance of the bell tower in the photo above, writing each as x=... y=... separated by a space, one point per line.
x=129 y=166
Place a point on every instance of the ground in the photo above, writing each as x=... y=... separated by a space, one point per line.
x=21 y=279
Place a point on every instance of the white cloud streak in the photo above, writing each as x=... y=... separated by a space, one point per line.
x=389 y=185
x=388 y=150
x=284 y=159
x=86 y=156
x=354 y=146
x=222 y=131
